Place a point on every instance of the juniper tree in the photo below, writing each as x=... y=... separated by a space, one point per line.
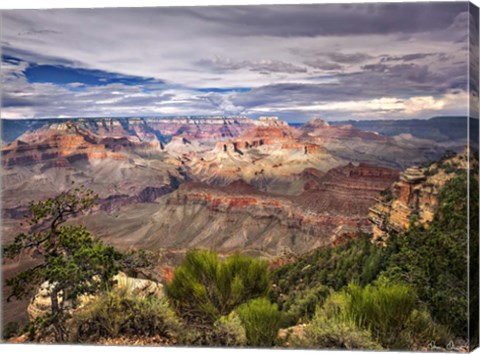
x=73 y=262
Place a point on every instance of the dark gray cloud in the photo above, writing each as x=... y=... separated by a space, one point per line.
x=347 y=58
x=331 y=19
x=288 y=59
x=410 y=57
x=323 y=64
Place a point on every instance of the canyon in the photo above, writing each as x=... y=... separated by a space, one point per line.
x=259 y=186
x=240 y=217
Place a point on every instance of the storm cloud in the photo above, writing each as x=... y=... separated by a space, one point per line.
x=340 y=61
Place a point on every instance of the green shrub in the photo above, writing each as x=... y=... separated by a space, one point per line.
x=204 y=289
x=228 y=331
x=262 y=320
x=384 y=308
x=421 y=331
x=385 y=313
x=387 y=195
x=118 y=312
x=301 y=306
x=10 y=330
x=335 y=333
x=334 y=267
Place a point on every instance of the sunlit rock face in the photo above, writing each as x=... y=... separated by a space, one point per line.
x=416 y=193
x=63 y=144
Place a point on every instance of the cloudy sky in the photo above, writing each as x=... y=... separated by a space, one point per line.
x=336 y=61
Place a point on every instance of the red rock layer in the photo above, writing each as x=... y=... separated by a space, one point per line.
x=340 y=199
x=416 y=193
x=60 y=145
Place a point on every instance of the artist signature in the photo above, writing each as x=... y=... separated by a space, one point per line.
x=451 y=347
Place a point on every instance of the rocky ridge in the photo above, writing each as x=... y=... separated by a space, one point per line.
x=62 y=144
x=336 y=202
x=415 y=194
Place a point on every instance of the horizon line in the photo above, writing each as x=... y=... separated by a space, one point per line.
x=232 y=116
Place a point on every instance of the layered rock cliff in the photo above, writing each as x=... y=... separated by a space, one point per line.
x=239 y=217
x=143 y=129
x=415 y=195
x=350 y=143
x=65 y=143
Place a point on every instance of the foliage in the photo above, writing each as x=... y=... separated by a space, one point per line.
x=228 y=331
x=356 y=260
x=330 y=332
x=385 y=313
x=434 y=260
x=10 y=330
x=203 y=288
x=302 y=306
x=74 y=262
x=262 y=320
x=139 y=264
x=474 y=261
x=384 y=308
x=119 y=312
x=387 y=195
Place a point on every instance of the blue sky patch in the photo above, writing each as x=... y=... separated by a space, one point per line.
x=63 y=75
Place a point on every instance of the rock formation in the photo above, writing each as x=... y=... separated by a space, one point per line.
x=240 y=217
x=61 y=145
x=415 y=194
x=41 y=302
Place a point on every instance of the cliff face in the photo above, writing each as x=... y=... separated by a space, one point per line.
x=415 y=194
x=350 y=143
x=269 y=156
x=238 y=217
x=334 y=205
x=143 y=129
x=322 y=130
x=62 y=144
x=348 y=190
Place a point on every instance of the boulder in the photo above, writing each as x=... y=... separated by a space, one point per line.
x=41 y=303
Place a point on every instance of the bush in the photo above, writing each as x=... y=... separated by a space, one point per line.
x=422 y=331
x=10 y=330
x=384 y=308
x=203 y=289
x=228 y=331
x=301 y=306
x=334 y=267
x=384 y=313
x=262 y=320
x=118 y=312
x=387 y=195
x=331 y=332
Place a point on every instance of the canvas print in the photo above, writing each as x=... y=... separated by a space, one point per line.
x=261 y=176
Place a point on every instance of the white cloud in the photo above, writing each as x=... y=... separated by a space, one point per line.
x=390 y=106
x=199 y=49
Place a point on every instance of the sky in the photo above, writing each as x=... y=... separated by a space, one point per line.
x=298 y=62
